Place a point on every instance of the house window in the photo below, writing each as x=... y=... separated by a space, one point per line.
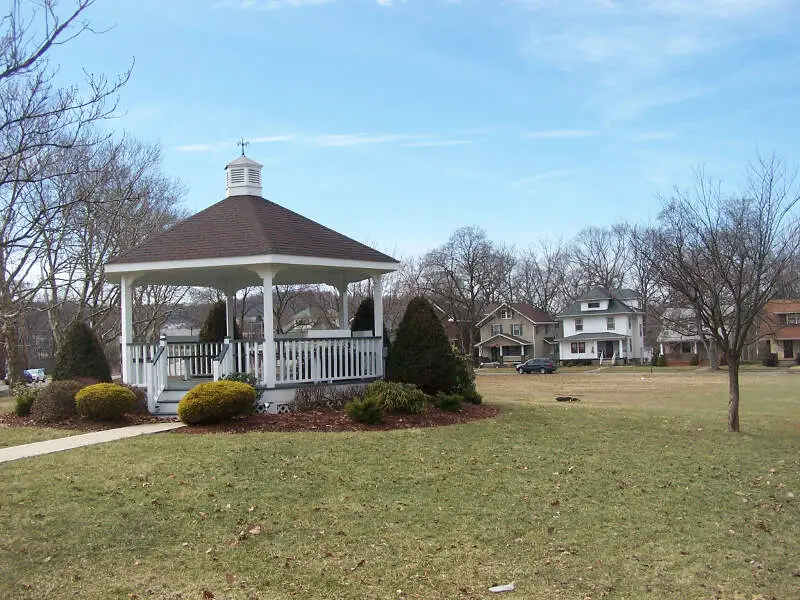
x=578 y=347
x=788 y=348
x=593 y=305
x=547 y=330
x=790 y=319
x=505 y=313
x=497 y=329
x=610 y=323
x=516 y=329
x=686 y=348
x=578 y=324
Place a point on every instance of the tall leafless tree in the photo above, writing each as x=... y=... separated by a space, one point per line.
x=37 y=121
x=599 y=256
x=540 y=276
x=724 y=255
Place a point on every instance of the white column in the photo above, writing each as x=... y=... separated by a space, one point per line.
x=344 y=309
x=269 y=332
x=377 y=301
x=126 y=308
x=230 y=309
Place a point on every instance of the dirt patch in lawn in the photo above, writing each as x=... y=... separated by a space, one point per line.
x=318 y=420
x=337 y=420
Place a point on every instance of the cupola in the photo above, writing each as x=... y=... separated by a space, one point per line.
x=243 y=177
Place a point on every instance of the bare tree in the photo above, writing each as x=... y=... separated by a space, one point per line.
x=461 y=277
x=540 y=276
x=37 y=121
x=723 y=256
x=598 y=256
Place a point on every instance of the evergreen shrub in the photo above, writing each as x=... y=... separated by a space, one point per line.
x=771 y=360
x=365 y=410
x=448 y=402
x=421 y=353
x=81 y=354
x=24 y=397
x=364 y=319
x=393 y=396
x=216 y=401
x=662 y=361
x=104 y=401
x=472 y=396
x=215 y=327
x=56 y=401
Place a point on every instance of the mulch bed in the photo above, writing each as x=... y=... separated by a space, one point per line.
x=337 y=420
x=12 y=420
x=314 y=421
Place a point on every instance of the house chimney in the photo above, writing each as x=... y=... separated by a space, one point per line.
x=243 y=177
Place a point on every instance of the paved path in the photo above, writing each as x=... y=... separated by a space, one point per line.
x=86 y=439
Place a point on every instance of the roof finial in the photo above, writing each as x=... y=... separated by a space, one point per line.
x=242 y=143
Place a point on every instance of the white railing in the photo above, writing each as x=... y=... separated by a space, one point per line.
x=140 y=356
x=306 y=361
x=156 y=376
x=188 y=360
x=247 y=357
x=297 y=360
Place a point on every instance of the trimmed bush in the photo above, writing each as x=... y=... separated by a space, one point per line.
x=56 y=401
x=472 y=396
x=216 y=401
x=215 y=327
x=247 y=378
x=421 y=353
x=770 y=360
x=104 y=402
x=694 y=360
x=448 y=402
x=662 y=361
x=397 y=397
x=24 y=398
x=365 y=410
x=81 y=354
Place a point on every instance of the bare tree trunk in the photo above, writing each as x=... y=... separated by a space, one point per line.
x=733 y=395
x=13 y=358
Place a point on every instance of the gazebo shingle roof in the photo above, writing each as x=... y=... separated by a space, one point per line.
x=248 y=226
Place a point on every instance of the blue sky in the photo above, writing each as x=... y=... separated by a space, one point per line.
x=395 y=121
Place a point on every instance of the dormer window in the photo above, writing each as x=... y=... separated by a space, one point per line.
x=593 y=305
x=505 y=313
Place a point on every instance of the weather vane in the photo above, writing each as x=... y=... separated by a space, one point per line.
x=242 y=143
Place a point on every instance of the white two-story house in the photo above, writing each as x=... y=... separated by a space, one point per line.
x=603 y=323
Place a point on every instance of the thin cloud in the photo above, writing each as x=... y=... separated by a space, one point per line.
x=539 y=177
x=561 y=134
x=438 y=144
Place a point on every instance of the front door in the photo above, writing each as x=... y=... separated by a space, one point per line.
x=788 y=348
x=605 y=349
x=495 y=354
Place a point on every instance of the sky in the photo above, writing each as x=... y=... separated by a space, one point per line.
x=397 y=121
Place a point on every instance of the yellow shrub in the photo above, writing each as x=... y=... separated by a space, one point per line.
x=104 y=401
x=216 y=401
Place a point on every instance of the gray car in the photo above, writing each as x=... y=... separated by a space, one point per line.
x=537 y=365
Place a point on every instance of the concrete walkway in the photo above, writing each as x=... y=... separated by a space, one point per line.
x=86 y=439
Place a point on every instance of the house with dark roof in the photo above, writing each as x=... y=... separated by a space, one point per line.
x=779 y=330
x=681 y=336
x=603 y=324
x=514 y=332
x=246 y=240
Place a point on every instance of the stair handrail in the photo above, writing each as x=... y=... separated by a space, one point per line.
x=221 y=364
x=157 y=375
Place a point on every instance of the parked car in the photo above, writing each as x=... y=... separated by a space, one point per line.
x=537 y=365
x=36 y=375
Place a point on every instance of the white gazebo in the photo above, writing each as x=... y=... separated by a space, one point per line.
x=246 y=240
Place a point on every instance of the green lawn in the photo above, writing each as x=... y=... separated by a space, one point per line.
x=635 y=492
x=15 y=436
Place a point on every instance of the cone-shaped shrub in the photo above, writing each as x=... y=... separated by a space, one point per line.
x=81 y=354
x=364 y=319
x=421 y=353
x=215 y=328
